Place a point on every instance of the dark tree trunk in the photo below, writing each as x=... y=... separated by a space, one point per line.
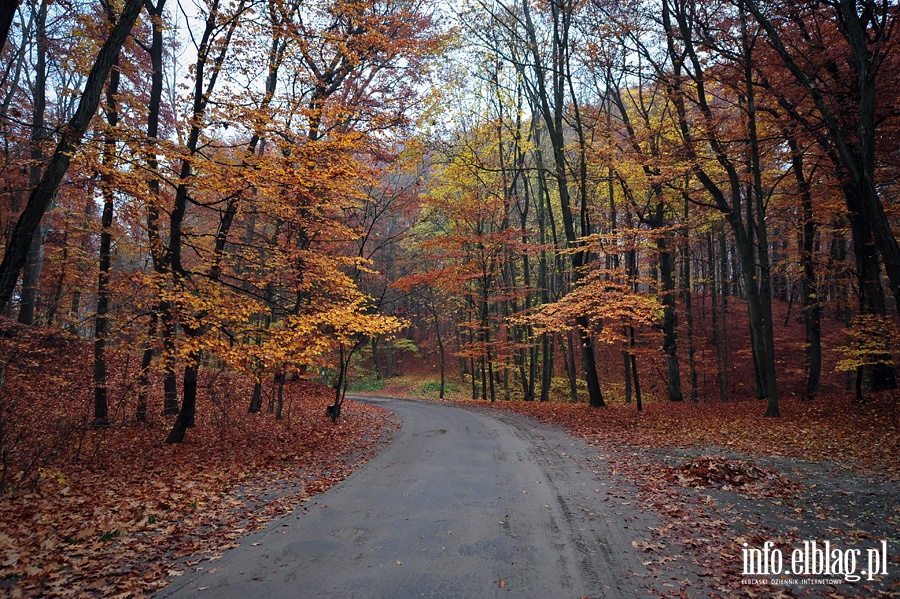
x=170 y=382
x=143 y=380
x=255 y=398
x=634 y=373
x=279 y=390
x=440 y=342
x=32 y=272
x=101 y=328
x=568 y=347
x=717 y=284
x=7 y=14
x=688 y=303
x=546 y=366
x=185 y=419
x=723 y=313
x=160 y=314
x=40 y=198
x=812 y=311
x=880 y=375
x=670 y=320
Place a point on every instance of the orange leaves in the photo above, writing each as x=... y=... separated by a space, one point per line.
x=605 y=300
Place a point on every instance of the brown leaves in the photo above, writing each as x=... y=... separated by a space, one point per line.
x=704 y=527
x=732 y=474
x=831 y=428
x=126 y=523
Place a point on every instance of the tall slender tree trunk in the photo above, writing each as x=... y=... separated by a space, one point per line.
x=688 y=301
x=634 y=371
x=161 y=320
x=255 y=398
x=101 y=327
x=279 y=380
x=143 y=378
x=31 y=274
x=809 y=289
x=571 y=368
x=723 y=328
x=542 y=201
x=670 y=320
x=440 y=341
x=716 y=284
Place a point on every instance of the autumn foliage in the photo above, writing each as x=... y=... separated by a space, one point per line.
x=115 y=510
x=618 y=203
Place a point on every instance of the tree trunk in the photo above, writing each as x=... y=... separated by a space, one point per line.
x=571 y=370
x=879 y=376
x=389 y=360
x=670 y=320
x=32 y=272
x=7 y=14
x=143 y=379
x=53 y=308
x=688 y=302
x=546 y=366
x=373 y=342
x=723 y=328
x=101 y=328
x=279 y=390
x=185 y=419
x=161 y=312
x=255 y=398
x=31 y=275
x=765 y=271
x=812 y=312
x=634 y=372
x=716 y=283
x=170 y=382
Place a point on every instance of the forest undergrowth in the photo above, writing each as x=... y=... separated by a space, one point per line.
x=115 y=511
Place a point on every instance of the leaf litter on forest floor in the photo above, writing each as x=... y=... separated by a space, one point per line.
x=720 y=475
x=142 y=512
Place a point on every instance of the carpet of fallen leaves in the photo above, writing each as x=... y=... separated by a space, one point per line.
x=731 y=475
x=116 y=512
x=697 y=467
x=862 y=436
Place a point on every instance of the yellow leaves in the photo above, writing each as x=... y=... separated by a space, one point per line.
x=55 y=475
x=605 y=301
x=872 y=339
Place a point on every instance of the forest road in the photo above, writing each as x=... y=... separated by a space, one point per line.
x=462 y=503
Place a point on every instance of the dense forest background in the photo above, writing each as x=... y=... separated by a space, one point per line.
x=598 y=201
x=219 y=216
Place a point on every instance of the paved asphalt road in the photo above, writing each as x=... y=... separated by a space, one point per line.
x=458 y=502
